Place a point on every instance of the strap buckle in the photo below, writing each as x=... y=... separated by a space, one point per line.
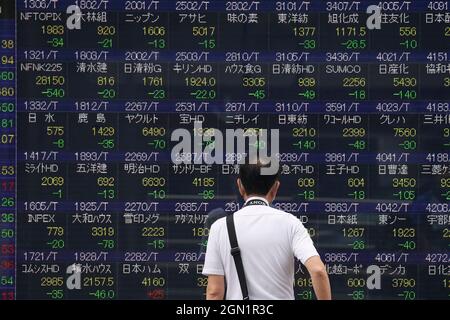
x=235 y=251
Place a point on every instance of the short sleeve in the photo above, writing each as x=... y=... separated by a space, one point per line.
x=213 y=263
x=302 y=243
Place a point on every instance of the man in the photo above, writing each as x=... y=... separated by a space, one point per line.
x=268 y=239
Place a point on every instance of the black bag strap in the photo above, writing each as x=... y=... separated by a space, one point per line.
x=236 y=253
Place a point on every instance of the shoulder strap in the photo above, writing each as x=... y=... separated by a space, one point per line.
x=236 y=253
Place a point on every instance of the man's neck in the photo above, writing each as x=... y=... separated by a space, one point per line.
x=256 y=197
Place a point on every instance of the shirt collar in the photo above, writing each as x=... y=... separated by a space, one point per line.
x=257 y=198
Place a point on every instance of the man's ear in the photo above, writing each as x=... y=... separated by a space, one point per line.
x=240 y=187
x=273 y=191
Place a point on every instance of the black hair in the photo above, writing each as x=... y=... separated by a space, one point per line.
x=253 y=181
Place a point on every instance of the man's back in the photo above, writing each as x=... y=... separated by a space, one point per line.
x=268 y=239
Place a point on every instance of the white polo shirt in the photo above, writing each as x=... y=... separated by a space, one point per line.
x=269 y=240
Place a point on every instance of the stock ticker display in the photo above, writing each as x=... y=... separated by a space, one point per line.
x=90 y=95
